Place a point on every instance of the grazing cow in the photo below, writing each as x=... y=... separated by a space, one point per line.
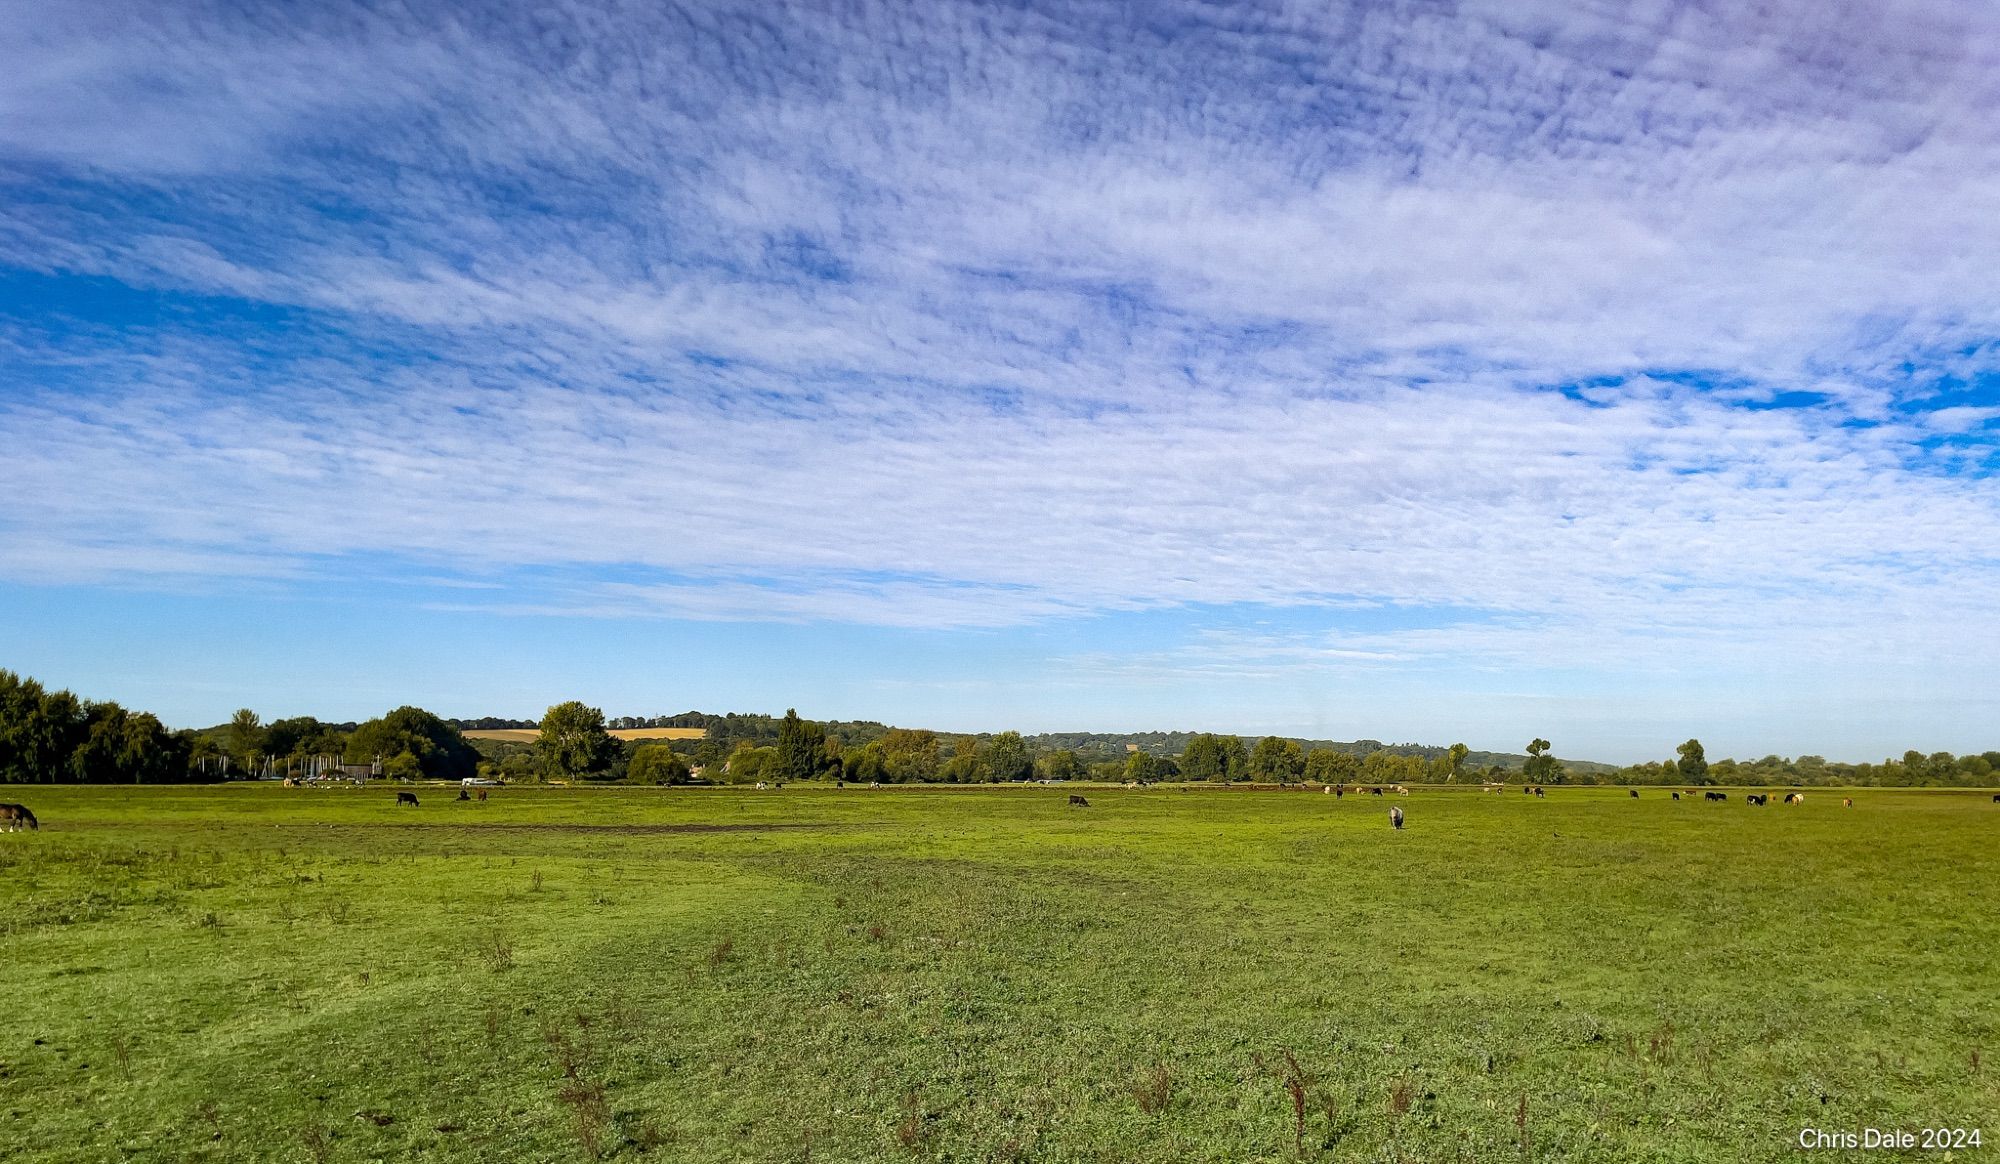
x=1328 y=790
x=1715 y=796
x=482 y=796
x=1795 y=798
x=464 y=795
x=1848 y=801
x=1756 y=798
x=1635 y=793
x=1677 y=796
x=1396 y=817
x=1538 y=791
x=1078 y=801
x=409 y=798
x=16 y=817
x=760 y=786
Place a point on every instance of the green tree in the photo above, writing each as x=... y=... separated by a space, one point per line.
x=573 y=742
x=1277 y=759
x=656 y=764
x=437 y=748
x=1007 y=757
x=1142 y=766
x=244 y=739
x=1061 y=764
x=1202 y=758
x=801 y=749
x=1693 y=762
x=1541 y=768
x=1456 y=762
x=1327 y=766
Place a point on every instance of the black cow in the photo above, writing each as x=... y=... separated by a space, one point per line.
x=409 y=798
x=1396 y=817
x=1756 y=798
x=1996 y=800
x=1715 y=796
x=1538 y=791
x=1635 y=793
x=1078 y=801
x=1677 y=796
x=17 y=816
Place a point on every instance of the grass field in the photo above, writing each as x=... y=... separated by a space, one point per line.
x=254 y=973
x=530 y=735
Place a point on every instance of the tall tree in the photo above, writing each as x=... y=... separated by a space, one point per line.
x=1202 y=758
x=573 y=741
x=801 y=748
x=1008 y=758
x=1277 y=759
x=1541 y=768
x=1456 y=755
x=244 y=738
x=1693 y=762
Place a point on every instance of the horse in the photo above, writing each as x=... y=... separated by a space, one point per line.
x=16 y=817
x=409 y=798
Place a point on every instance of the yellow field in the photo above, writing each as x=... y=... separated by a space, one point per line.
x=528 y=735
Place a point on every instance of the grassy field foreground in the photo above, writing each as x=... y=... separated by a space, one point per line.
x=253 y=973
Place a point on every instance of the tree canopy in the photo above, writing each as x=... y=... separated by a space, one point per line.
x=573 y=741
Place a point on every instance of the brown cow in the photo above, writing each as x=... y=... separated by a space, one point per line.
x=482 y=796
x=1848 y=801
x=16 y=817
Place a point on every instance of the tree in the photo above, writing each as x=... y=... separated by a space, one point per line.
x=573 y=742
x=244 y=739
x=1541 y=768
x=1008 y=758
x=1326 y=766
x=801 y=749
x=1277 y=759
x=1456 y=755
x=1061 y=764
x=1235 y=760
x=1693 y=762
x=1142 y=766
x=656 y=764
x=1202 y=758
x=437 y=748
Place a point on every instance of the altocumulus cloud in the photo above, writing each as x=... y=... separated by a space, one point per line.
x=1631 y=329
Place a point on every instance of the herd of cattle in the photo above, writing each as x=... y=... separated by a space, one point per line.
x=15 y=817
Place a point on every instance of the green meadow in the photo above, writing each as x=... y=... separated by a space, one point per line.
x=812 y=974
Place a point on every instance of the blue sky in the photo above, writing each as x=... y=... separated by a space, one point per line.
x=1612 y=373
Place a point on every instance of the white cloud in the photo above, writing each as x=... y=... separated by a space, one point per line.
x=1011 y=317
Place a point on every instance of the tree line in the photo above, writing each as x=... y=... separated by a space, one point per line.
x=49 y=737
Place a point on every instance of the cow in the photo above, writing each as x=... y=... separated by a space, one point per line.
x=464 y=794
x=1996 y=799
x=1715 y=796
x=482 y=796
x=1634 y=792
x=1677 y=796
x=409 y=798
x=1538 y=791
x=760 y=786
x=1374 y=792
x=1396 y=817
x=1759 y=798
x=16 y=817
x=1848 y=801
x=1795 y=798
x=1076 y=801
